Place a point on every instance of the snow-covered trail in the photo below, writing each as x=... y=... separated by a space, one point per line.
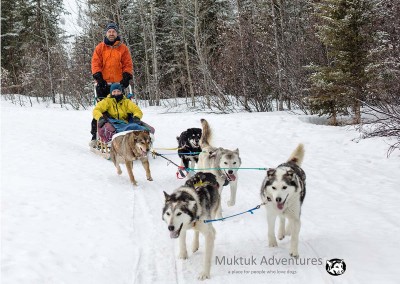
x=67 y=217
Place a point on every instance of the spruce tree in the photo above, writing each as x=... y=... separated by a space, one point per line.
x=345 y=31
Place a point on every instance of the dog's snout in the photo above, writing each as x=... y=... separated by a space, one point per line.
x=230 y=172
x=278 y=199
x=171 y=228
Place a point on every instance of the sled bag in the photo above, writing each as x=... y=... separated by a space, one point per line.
x=106 y=132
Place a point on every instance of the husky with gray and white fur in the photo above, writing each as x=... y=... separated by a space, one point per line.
x=283 y=190
x=187 y=208
x=223 y=163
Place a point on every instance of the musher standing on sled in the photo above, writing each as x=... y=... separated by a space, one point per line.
x=111 y=63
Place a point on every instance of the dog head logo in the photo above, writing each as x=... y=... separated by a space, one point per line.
x=335 y=266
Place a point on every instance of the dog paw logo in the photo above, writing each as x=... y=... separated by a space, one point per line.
x=335 y=266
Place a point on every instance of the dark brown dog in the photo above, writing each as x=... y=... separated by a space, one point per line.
x=129 y=147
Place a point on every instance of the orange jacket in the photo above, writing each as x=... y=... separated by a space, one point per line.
x=112 y=61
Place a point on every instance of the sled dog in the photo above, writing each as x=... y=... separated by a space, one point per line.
x=223 y=162
x=283 y=190
x=129 y=146
x=189 y=147
x=186 y=208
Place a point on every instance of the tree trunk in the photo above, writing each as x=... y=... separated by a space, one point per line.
x=154 y=55
x=278 y=59
x=334 y=115
x=190 y=83
x=242 y=59
x=49 y=69
x=199 y=51
x=146 y=63
x=357 y=110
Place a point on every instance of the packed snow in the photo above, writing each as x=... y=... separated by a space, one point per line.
x=67 y=217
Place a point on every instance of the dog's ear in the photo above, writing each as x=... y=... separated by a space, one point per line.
x=289 y=174
x=190 y=182
x=218 y=155
x=167 y=197
x=212 y=154
x=236 y=151
x=270 y=172
x=268 y=179
x=134 y=136
x=290 y=178
x=203 y=176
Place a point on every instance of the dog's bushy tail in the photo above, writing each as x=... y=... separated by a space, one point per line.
x=297 y=155
x=205 y=134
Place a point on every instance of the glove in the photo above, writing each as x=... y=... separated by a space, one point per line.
x=101 y=122
x=136 y=119
x=100 y=81
x=125 y=79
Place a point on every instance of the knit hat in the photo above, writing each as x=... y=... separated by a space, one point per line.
x=113 y=26
x=115 y=86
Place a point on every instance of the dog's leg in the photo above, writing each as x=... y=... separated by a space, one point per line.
x=281 y=231
x=192 y=165
x=114 y=159
x=288 y=230
x=129 y=168
x=146 y=166
x=195 y=244
x=294 y=244
x=119 y=171
x=271 y=229
x=219 y=211
x=219 y=208
x=182 y=245
x=233 y=186
x=185 y=162
x=209 y=234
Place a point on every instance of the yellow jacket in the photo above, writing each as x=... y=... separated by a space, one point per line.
x=117 y=110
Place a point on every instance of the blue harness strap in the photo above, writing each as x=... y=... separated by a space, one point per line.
x=222 y=219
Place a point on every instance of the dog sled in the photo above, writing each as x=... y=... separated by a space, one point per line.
x=115 y=127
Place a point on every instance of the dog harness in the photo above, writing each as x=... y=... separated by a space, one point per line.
x=204 y=183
